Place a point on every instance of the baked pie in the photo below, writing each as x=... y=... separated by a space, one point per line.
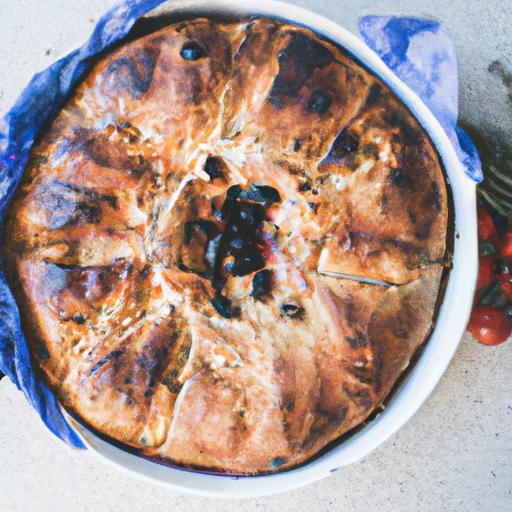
x=228 y=245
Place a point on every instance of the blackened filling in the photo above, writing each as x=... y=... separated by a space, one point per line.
x=238 y=247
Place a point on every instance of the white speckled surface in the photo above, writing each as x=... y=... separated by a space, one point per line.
x=456 y=453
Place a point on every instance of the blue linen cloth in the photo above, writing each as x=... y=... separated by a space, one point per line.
x=417 y=50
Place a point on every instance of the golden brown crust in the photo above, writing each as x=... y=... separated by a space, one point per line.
x=190 y=236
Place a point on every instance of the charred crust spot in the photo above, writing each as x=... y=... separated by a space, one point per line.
x=297 y=144
x=351 y=311
x=73 y=206
x=318 y=102
x=337 y=417
x=361 y=397
x=180 y=264
x=224 y=307
x=314 y=207
x=384 y=203
x=360 y=340
x=19 y=247
x=42 y=349
x=312 y=54
x=289 y=404
x=322 y=179
x=38 y=160
x=88 y=193
x=91 y=283
x=199 y=251
x=277 y=461
x=409 y=134
x=135 y=75
x=378 y=364
x=422 y=234
x=374 y=95
x=137 y=172
x=360 y=374
x=433 y=199
x=214 y=167
x=173 y=386
x=87 y=214
x=399 y=179
x=345 y=143
x=195 y=87
x=412 y=217
x=128 y=131
x=406 y=247
x=78 y=319
x=106 y=152
x=371 y=151
x=192 y=228
x=104 y=360
x=297 y=63
x=291 y=310
x=262 y=284
x=69 y=267
x=110 y=200
x=153 y=361
x=305 y=187
x=192 y=51
x=171 y=377
x=145 y=270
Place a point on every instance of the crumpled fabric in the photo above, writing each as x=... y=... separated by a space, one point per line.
x=417 y=50
x=420 y=53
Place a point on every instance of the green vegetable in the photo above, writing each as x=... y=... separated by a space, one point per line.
x=491 y=295
x=487 y=248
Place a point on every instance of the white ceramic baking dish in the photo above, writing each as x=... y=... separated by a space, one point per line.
x=451 y=321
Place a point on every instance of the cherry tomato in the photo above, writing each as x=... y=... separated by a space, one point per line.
x=490 y=326
x=506 y=284
x=485 y=271
x=486 y=226
x=505 y=247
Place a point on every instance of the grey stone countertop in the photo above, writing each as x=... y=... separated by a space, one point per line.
x=454 y=455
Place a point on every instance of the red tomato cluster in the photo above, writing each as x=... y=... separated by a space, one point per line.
x=491 y=318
